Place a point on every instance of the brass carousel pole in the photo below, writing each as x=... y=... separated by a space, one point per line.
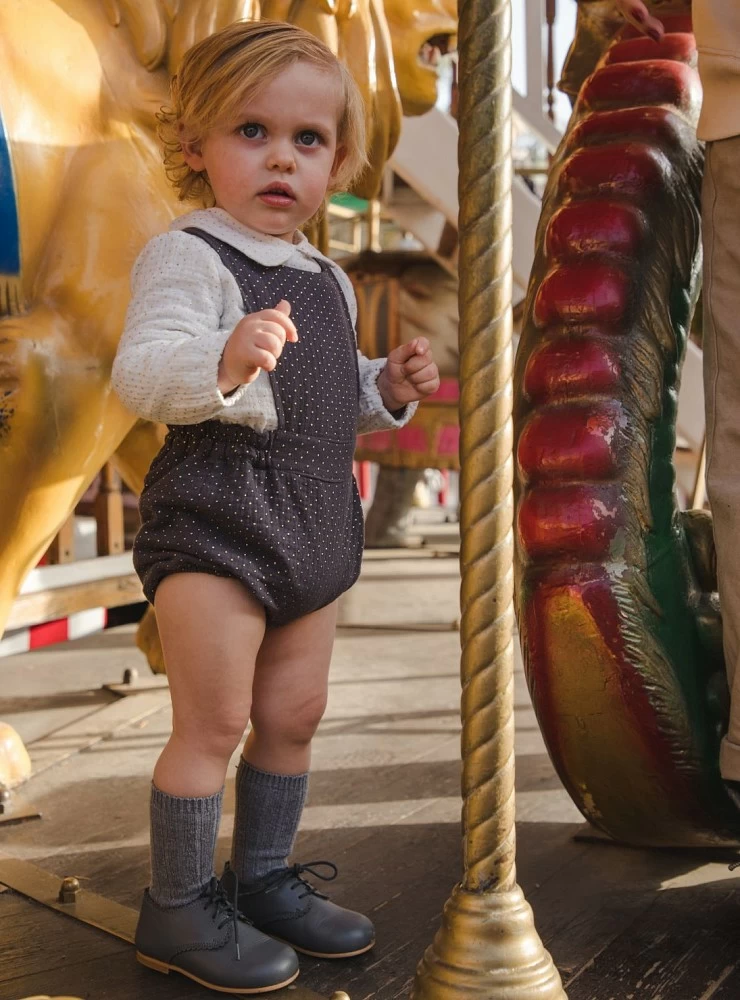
x=487 y=945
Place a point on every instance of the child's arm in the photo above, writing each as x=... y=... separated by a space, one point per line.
x=409 y=375
x=374 y=414
x=167 y=365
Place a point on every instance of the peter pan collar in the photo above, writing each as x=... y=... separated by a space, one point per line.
x=270 y=251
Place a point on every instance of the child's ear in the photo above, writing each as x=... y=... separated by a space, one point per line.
x=191 y=153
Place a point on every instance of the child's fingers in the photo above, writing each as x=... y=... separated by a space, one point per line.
x=270 y=340
x=429 y=387
x=426 y=374
x=400 y=355
x=418 y=362
x=263 y=359
x=651 y=27
x=283 y=320
x=284 y=306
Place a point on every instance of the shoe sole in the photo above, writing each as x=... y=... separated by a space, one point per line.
x=321 y=954
x=154 y=963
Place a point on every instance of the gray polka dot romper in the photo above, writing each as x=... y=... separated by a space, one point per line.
x=278 y=510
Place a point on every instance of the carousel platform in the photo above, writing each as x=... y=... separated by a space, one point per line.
x=384 y=805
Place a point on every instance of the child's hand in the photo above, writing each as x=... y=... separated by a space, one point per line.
x=409 y=374
x=256 y=344
x=637 y=14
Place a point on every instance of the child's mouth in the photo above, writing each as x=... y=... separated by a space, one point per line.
x=278 y=197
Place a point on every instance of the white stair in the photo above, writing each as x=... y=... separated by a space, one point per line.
x=426 y=160
x=414 y=215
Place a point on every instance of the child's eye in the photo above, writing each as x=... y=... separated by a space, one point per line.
x=308 y=138
x=251 y=130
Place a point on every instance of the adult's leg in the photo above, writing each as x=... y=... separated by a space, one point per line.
x=721 y=232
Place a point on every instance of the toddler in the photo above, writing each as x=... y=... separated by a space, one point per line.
x=240 y=337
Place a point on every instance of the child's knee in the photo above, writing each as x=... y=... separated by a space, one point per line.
x=295 y=724
x=216 y=737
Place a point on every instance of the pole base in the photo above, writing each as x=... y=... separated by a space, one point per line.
x=487 y=947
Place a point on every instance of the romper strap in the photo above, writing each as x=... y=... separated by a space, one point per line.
x=231 y=258
x=225 y=250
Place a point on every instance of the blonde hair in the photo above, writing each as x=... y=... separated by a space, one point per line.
x=218 y=74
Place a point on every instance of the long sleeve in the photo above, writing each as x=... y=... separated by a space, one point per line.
x=166 y=368
x=373 y=413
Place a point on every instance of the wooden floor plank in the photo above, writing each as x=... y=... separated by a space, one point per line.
x=37 y=940
x=114 y=977
x=680 y=947
x=601 y=892
x=727 y=984
x=95 y=728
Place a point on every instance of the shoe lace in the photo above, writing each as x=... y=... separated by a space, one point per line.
x=295 y=873
x=224 y=909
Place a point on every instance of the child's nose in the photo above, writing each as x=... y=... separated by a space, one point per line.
x=281 y=157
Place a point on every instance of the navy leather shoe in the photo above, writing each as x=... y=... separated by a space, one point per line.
x=211 y=942
x=286 y=906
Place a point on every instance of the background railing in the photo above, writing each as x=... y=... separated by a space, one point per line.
x=542 y=31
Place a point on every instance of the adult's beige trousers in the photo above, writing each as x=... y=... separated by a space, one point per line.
x=721 y=235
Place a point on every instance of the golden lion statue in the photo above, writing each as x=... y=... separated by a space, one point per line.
x=82 y=189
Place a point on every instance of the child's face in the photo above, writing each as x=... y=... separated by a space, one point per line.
x=271 y=172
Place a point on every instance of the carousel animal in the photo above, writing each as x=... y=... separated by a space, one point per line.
x=616 y=588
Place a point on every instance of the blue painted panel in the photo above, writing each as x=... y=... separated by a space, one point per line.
x=10 y=258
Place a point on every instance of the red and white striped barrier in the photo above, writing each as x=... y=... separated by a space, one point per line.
x=74 y=626
x=23 y=640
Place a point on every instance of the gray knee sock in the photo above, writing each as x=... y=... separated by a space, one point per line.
x=268 y=811
x=183 y=841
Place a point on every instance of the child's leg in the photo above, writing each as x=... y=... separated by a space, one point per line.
x=211 y=632
x=288 y=700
